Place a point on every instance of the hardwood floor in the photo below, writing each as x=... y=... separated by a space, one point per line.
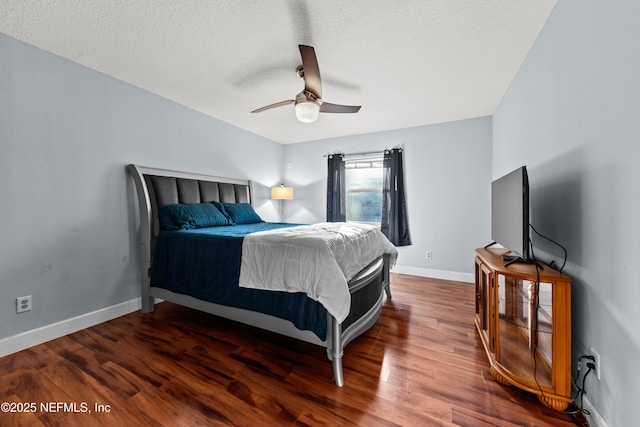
x=422 y=364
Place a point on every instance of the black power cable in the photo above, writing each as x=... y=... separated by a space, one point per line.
x=555 y=243
x=580 y=413
x=535 y=331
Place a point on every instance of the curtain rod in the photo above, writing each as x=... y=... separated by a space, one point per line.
x=368 y=153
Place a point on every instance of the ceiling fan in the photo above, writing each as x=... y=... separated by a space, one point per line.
x=308 y=103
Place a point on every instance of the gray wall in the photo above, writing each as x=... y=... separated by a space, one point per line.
x=571 y=115
x=68 y=216
x=447 y=177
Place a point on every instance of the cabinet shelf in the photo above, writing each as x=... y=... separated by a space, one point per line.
x=523 y=317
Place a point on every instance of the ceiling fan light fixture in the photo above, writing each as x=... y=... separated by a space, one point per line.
x=309 y=102
x=307 y=111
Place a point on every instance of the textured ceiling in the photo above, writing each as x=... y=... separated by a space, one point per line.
x=408 y=63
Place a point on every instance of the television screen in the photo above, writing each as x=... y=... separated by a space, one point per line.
x=510 y=212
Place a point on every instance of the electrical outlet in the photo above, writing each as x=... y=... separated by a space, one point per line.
x=429 y=255
x=23 y=304
x=596 y=356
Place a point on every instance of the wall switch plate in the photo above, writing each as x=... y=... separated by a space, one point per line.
x=23 y=304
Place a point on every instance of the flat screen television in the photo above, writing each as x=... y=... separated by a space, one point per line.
x=510 y=212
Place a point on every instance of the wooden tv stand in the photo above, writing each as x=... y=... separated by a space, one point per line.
x=523 y=317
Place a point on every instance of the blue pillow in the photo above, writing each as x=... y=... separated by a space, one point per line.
x=241 y=213
x=222 y=210
x=185 y=217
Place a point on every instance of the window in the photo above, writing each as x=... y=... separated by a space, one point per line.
x=363 y=176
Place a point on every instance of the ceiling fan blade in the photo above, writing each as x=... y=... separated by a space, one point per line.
x=276 y=105
x=327 y=107
x=312 y=82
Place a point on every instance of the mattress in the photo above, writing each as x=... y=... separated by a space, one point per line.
x=205 y=263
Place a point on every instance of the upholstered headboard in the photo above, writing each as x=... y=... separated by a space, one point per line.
x=156 y=188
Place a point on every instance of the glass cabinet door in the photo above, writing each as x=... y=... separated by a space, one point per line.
x=484 y=299
x=525 y=328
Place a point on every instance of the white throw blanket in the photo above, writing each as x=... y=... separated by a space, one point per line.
x=316 y=259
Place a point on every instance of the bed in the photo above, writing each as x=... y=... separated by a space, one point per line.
x=205 y=268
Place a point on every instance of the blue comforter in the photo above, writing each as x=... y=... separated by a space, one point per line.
x=205 y=264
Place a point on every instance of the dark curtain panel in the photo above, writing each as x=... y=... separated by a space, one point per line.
x=394 y=205
x=336 y=202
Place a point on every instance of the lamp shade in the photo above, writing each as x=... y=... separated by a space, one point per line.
x=282 y=192
x=307 y=111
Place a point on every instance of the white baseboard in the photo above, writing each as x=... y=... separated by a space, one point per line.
x=595 y=419
x=46 y=333
x=436 y=274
